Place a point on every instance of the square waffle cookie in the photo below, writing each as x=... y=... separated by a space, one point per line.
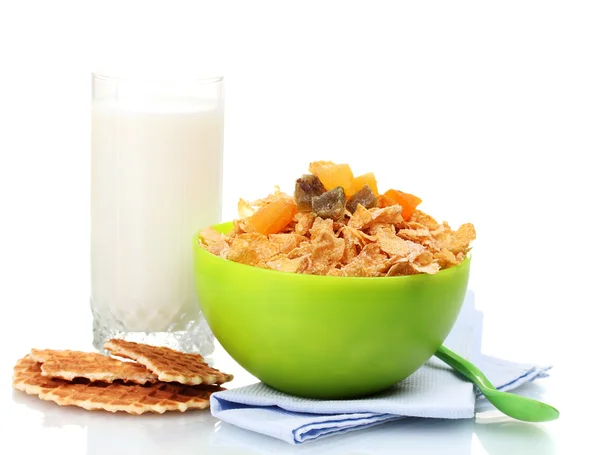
x=69 y=365
x=167 y=364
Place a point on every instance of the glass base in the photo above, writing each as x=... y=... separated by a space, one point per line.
x=195 y=338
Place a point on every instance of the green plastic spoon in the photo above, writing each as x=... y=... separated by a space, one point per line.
x=515 y=406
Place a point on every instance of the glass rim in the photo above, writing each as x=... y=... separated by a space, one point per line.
x=148 y=78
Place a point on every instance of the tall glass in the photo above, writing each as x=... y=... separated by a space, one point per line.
x=157 y=149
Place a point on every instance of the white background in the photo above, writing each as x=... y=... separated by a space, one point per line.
x=487 y=110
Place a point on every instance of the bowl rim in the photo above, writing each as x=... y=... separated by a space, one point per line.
x=198 y=249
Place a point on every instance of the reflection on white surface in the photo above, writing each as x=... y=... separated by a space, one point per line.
x=108 y=433
x=199 y=432
x=507 y=436
x=413 y=436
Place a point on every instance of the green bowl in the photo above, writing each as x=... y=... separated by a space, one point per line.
x=326 y=337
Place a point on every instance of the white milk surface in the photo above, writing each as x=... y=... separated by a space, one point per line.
x=156 y=180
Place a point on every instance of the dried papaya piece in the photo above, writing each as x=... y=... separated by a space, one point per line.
x=385 y=201
x=333 y=175
x=273 y=217
x=365 y=179
x=316 y=167
x=409 y=202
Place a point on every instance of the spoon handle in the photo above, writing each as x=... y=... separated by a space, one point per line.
x=464 y=367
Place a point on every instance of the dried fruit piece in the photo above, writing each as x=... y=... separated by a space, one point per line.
x=273 y=217
x=365 y=179
x=333 y=175
x=307 y=187
x=316 y=167
x=409 y=202
x=331 y=204
x=385 y=201
x=364 y=197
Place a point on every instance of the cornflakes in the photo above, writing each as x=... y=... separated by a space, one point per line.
x=325 y=233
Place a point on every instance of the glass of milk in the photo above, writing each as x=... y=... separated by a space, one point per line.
x=157 y=147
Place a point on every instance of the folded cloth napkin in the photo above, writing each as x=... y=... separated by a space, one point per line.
x=433 y=391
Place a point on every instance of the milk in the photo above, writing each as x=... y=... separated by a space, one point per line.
x=156 y=180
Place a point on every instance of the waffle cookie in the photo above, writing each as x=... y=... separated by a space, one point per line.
x=169 y=365
x=157 y=397
x=69 y=365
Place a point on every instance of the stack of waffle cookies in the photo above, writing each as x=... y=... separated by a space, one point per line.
x=143 y=379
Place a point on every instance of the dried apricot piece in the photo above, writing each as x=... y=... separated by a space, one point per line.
x=364 y=197
x=273 y=217
x=409 y=202
x=333 y=175
x=307 y=187
x=365 y=179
